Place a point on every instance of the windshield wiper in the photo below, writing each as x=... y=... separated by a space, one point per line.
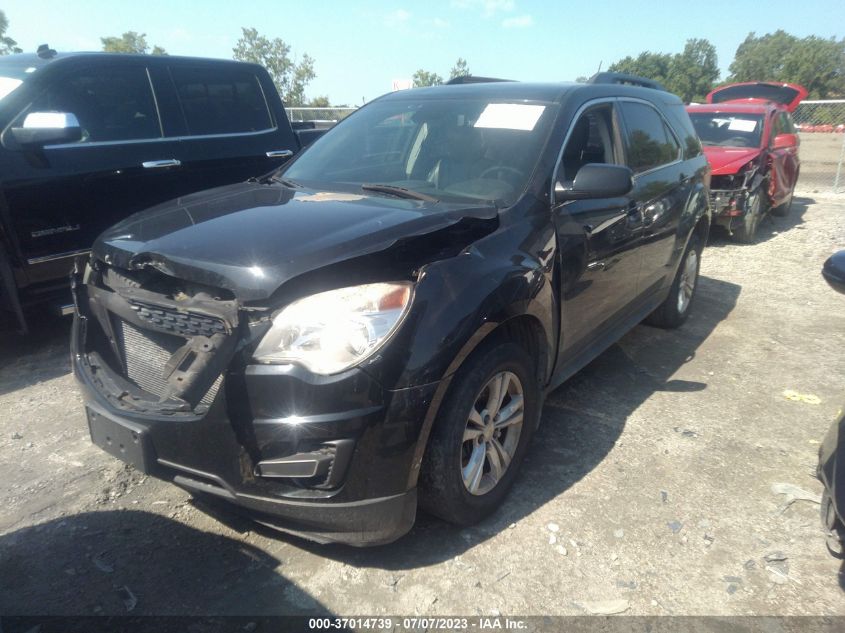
x=287 y=182
x=399 y=192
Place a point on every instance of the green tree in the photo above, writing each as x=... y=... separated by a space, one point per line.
x=689 y=74
x=816 y=63
x=693 y=72
x=7 y=44
x=290 y=77
x=130 y=42
x=654 y=66
x=460 y=69
x=423 y=78
x=320 y=102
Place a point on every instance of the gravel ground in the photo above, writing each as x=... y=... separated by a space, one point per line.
x=648 y=490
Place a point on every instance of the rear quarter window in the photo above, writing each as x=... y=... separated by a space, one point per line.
x=221 y=100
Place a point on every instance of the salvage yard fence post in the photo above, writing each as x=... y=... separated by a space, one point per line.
x=318 y=115
x=821 y=127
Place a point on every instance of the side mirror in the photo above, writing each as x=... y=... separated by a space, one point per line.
x=785 y=141
x=834 y=271
x=47 y=128
x=597 y=180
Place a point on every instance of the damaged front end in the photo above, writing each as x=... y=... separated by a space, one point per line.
x=154 y=344
x=175 y=382
x=730 y=195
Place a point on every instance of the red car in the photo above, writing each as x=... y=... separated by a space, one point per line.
x=752 y=146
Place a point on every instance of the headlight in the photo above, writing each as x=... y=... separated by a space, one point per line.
x=333 y=331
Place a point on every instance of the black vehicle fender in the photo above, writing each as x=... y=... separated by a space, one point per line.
x=696 y=218
x=459 y=301
x=498 y=286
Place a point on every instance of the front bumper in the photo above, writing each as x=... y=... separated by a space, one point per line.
x=330 y=458
x=728 y=206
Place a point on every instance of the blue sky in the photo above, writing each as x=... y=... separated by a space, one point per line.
x=361 y=46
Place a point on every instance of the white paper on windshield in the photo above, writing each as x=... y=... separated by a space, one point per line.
x=742 y=125
x=510 y=116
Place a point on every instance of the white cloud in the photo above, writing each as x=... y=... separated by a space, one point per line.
x=519 y=22
x=395 y=18
x=489 y=8
x=440 y=23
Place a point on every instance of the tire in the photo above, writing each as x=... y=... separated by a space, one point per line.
x=835 y=537
x=447 y=487
x=747 y=232
x=676 y=307
x=783 y=209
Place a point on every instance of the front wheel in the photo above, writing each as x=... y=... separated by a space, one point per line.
x=747 y=231
x=481 y=435
x=783 y=209
x=676 y=307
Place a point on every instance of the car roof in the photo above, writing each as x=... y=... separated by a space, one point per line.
x=747 y=108
x=33 y=60
x=518 y=90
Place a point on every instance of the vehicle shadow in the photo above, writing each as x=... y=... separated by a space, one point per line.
x=41 y=355
x=581 y=422
x=769 y=227
x=139 y=564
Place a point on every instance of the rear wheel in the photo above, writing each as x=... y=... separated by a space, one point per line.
x=481 y=435
x=747 y=231
x=676 y=307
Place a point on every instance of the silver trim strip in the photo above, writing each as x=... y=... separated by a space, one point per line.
x=165 y=139
x=49 y=258
x=279 y=153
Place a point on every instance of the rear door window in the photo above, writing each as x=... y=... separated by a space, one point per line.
x=221 y=101
x=649 y=142
x=111 y=104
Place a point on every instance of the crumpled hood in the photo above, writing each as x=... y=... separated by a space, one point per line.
x=728 y=160
x=250 y=238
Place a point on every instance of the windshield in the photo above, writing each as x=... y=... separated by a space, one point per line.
x=728 y=130
x=13 y=72
x=448 y=149
x=7 y=84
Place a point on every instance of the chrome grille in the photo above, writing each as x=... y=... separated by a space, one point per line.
x=145 y=354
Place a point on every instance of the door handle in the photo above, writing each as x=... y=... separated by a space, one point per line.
x=159 y=164
x=279 y=153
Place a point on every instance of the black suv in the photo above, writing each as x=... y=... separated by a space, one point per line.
x=88 y=138
x=377 y=323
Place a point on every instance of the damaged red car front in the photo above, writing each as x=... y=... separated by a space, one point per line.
x=749 y=139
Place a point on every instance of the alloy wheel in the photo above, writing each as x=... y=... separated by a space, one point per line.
x=492 y=432
x=686 y=285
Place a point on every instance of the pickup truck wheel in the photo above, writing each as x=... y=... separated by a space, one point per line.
x=676 y=307
x=481 y=435
x=747 y=231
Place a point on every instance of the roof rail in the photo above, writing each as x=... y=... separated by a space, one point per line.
x=472 y=79
x=622 y=78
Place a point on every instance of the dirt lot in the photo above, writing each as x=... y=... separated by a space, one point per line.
x=648 y=490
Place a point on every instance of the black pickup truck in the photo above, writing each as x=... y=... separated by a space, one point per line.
x=86 y=139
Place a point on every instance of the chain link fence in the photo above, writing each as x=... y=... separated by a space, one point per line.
x=319 y=116
x=821 y=126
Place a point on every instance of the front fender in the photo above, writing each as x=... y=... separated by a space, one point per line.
x=459 y=301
